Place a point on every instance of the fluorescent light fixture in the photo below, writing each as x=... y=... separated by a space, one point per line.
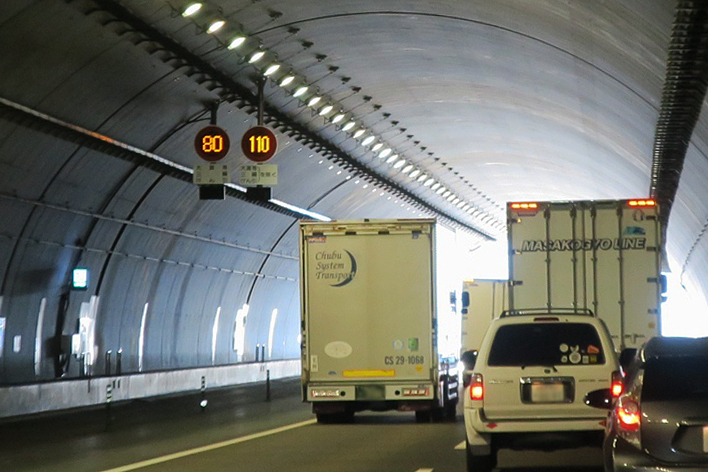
x=461 y=204
x=326 y=109
x=338 y=118
x=368 y=140
x=436 y=186
x=302 y=211
x=385 y=153
x=456 y=201
x=216 y=26
x=414 y=174
x=451 y=197
x=440 y=190
x=377 y=146
x=271 y=69
x=314 y=101
x=407 y=168
x=422 y=178
x=359 y=133
x=300 y=91
x=429 y=182
x=399 y=164
x=447 y=194
x=349 y=126
x=191 y=9
x=236 y=42
x=392 y=159
x=256 y=57
x=287 y=80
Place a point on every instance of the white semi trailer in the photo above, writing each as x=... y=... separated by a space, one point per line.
x=604 y=256
x=369 y=339
x=482 y=301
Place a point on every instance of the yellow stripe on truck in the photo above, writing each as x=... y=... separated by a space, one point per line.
x=370 y=373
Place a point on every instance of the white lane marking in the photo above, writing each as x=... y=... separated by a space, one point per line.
x=461 y=447
x=210 y=447
x=424 y=470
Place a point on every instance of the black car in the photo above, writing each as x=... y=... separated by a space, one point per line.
x=660 y=422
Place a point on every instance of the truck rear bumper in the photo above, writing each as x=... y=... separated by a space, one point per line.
x=370 y=392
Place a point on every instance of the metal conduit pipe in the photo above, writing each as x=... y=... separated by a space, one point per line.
x=681 y=101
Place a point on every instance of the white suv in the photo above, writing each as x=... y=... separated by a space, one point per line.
x=526 y=387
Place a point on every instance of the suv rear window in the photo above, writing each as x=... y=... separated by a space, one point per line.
x=546 y=344
x=675 y=378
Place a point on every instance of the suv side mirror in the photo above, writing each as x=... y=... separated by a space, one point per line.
x=599 y=399
x=469 y=359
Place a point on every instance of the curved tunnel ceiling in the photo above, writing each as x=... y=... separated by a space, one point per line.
x=486 y=102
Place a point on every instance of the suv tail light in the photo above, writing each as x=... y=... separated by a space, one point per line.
x=477 y=387
x=617 y=384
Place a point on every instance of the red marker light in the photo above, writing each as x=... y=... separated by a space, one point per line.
x=642 y=203
x=524 y=206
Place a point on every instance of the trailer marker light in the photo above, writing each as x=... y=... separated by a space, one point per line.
x=642 y=203
x=524 y=206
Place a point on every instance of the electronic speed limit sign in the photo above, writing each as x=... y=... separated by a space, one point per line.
x=259 y=144
x=212 y=143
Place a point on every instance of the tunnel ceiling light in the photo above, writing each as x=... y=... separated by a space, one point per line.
x=287 y=80
x=385 y=153
x=326 y=109
x=337 y=118
x=236 y=42
x=429 y=182
x=368 y=140
x=191 y=9
x=256 y=57
x=441 y=190
x=399 y=164
x=349 y=126
x=451 y=198
x=300 y=91
x=314 y=101
x=422 y=177
x=393 y=159
x=414 y=174
x=456 y=201
x=359 y=133
x=407 y=168
x=216 y=26
x=377 y=146
x=447 y=194
x=436 y=186
x=271 y=69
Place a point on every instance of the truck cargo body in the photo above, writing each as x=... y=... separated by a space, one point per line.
x=368 y=316
x=482 y=301
x=604 y=256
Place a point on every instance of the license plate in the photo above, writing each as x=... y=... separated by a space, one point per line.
x=550 y=393
x=705 y=439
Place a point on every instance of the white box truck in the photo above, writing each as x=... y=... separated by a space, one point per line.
x=482 y=301
x=603 y=256
x=369 y=319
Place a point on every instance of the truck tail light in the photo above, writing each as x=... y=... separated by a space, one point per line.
x=477 y=387
x=524 y=206
x=617 y=384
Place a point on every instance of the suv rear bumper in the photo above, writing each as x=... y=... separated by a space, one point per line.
x=479 y=430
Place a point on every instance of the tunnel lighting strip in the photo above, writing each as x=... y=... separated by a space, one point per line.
x=145 y=154
x=232 y=91
x=209 y=20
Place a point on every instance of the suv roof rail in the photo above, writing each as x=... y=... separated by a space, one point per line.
x=547 y=311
